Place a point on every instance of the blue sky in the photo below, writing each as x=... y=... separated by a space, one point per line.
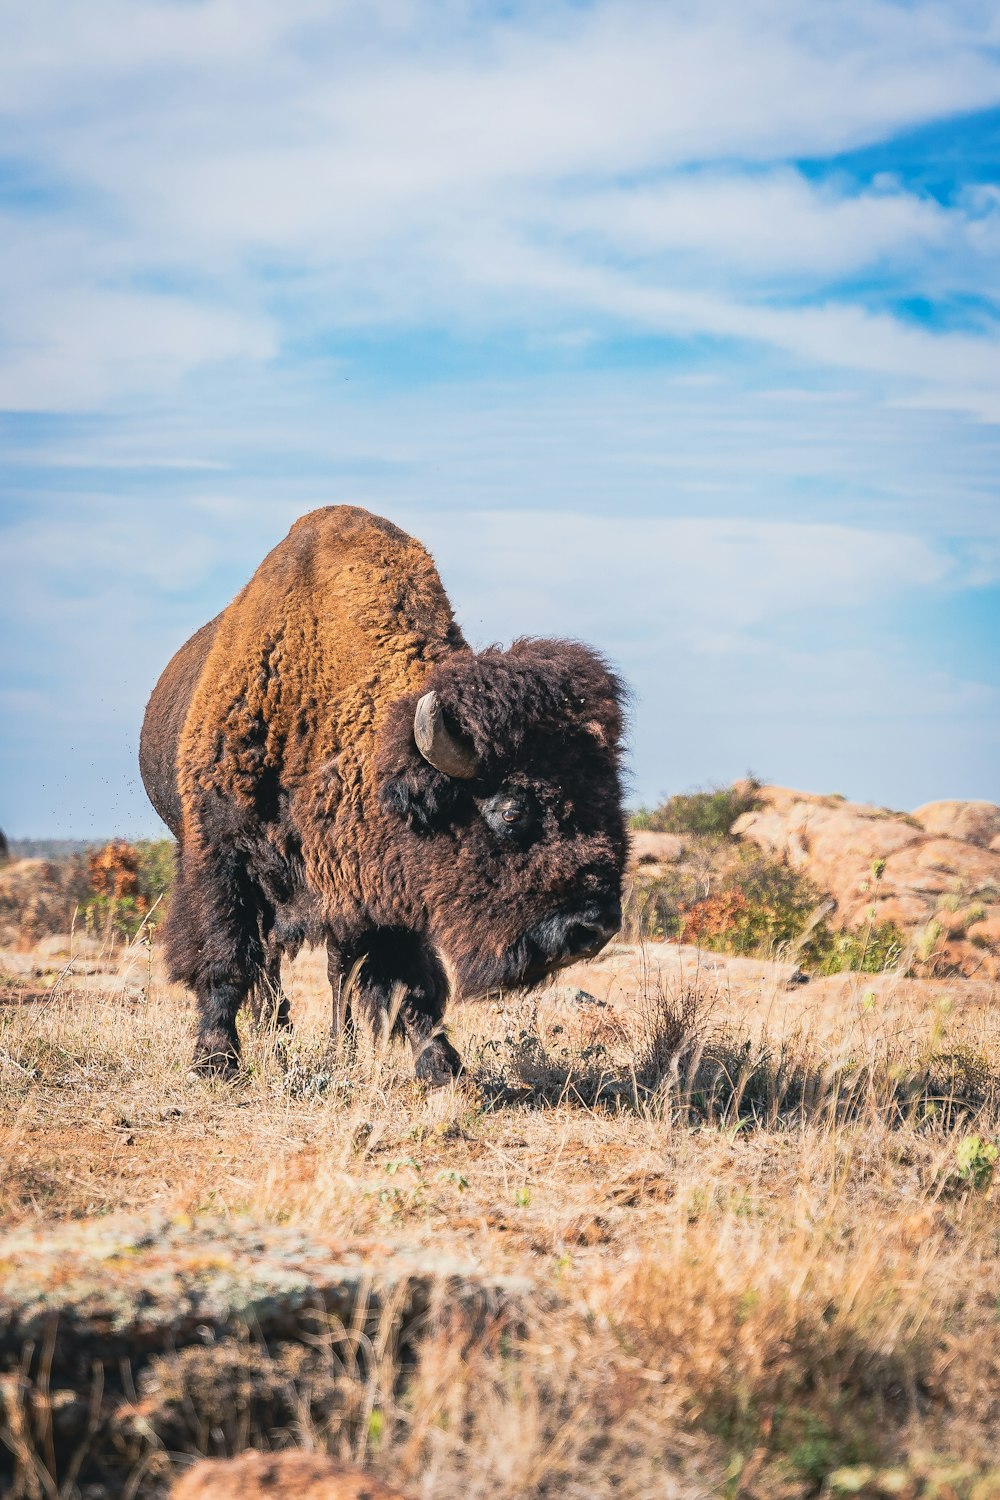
x=671 y=327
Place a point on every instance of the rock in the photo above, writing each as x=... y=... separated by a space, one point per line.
x=132 y=1287
x=62 y=945
x=834 y=843
x=986 y=931
x=649 y=848
x=956 y=923
x=882 y=866
x=574 y=996
x=56 y=945
x=214 y=1317
x=971 y=822
x=906 y=911
x=16 y=965
x=571 y=994
x=280 y=1476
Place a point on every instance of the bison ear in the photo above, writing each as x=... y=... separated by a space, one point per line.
x=424 y=799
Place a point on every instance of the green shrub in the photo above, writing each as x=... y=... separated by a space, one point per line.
x=866 y=950
x=976 y=1160
x=126 y=882
x=653 y=904
x=713 y=811
x=156 y=870
x=730 y=897
x=759 y=905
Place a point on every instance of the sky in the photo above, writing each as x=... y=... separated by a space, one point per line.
x=673 y=327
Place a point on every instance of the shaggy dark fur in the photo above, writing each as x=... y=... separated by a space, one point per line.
x=279 y=747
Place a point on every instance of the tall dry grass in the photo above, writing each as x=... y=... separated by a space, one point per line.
x=761 y=1227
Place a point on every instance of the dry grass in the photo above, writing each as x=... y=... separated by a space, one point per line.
x=766 y=1257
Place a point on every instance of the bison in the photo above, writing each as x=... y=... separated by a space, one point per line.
x=338 y=766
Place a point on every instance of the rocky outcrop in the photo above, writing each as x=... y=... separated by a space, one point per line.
x=649 y=850
x=941 y=889
x=279 y=1476
x=119 y=1287
x=970 y=822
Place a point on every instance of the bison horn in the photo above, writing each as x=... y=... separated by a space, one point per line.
x=439 y=748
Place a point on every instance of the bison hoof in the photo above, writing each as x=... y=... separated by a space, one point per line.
x=438 y=1063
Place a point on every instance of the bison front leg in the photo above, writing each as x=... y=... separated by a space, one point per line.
x=435 y=1060
x=213 y=946
x=401 y=978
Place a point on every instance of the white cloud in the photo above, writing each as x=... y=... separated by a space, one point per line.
x=54 y=49
x=699 y=582
x=83 y=347
x=100 y=556
x=207 y=200
x=768 y=225
x=317 y=166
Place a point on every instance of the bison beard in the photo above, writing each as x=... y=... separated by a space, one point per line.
x=339 y=767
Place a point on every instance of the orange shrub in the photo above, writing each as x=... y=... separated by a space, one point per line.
x=713 y=917
x=114 y=871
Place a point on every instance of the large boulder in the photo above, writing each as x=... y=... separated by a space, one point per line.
x=971 y=822
x=942 y=890
x=293 y=1475
x=649 y=849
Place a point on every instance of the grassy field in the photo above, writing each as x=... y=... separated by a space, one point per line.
x=757 y=1227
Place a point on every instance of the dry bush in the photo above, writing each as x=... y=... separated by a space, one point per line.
x=40 y=896
x=107 y=891
x=816 y=1368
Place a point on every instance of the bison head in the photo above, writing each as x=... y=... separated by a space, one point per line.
x=502 y=781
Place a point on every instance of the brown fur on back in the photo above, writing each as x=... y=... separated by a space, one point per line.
x=340 y=619
x=346 y=613
x=279 y=1476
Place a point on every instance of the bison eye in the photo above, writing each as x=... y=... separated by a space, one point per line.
x=510 y=817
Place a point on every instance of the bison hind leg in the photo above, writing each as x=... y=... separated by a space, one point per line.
x=213 y=946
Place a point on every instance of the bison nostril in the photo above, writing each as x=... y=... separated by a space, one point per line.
x=592 y=932
x=580 y=937
x=564 y=937
x=611 y=920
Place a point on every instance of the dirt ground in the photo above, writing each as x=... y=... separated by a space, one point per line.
x=757 y=1219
